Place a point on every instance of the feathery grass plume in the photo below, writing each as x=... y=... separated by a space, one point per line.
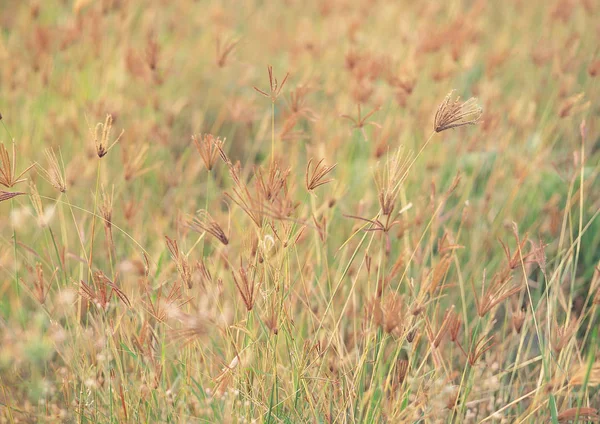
x=584 y=413
x=203 y=222
x=8 y=176
x=315 y=177
x=498 y=291
x=208 y=146
x=54 y=174
x=224 y=49
x=181 y=261
x=5 y=195
x=247 y=285
x=274 y=87
x=389 y=178
x=452 y=114
x=360 y=122
x=101 y=136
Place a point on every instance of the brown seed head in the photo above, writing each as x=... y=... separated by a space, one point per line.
x=54 y=174
x=209 y=147
x=203 y=222
x=452 y=114
x=101 y=136
x=274 y=87
x=8 y=177
x=316 y=177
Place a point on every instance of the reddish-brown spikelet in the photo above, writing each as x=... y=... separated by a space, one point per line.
x=8 y=175
x=498 y=291
x=316 y=177
x=209 y=147
x=274 y=86
x=247 y=285
x=101 y=136
x=54 y=174
x=181 y=261
x=203 y=222
x=5 y=195
x=224 y=49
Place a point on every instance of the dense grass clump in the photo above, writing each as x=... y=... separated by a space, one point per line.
x=300 y=211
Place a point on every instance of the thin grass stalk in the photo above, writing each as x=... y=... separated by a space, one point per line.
x=94 y=221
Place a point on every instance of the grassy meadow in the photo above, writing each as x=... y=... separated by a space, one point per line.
x=317 y=211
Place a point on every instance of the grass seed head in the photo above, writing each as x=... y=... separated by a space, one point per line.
x=452 y=114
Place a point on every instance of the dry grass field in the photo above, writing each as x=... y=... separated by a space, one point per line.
x=317 y=211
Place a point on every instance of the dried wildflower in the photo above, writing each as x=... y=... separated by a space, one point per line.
x=8 y=177
x=101 y=135
x=54 y=174
x=247 y=285
x=456 y=114
x=5 y=195
x=274 y=87
x=498 y=291
x=586 y=414
x=224 y=49
x=208 y=146
x=203 y=222
x=315 y=177
x=360 y=122
x=181 y=261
